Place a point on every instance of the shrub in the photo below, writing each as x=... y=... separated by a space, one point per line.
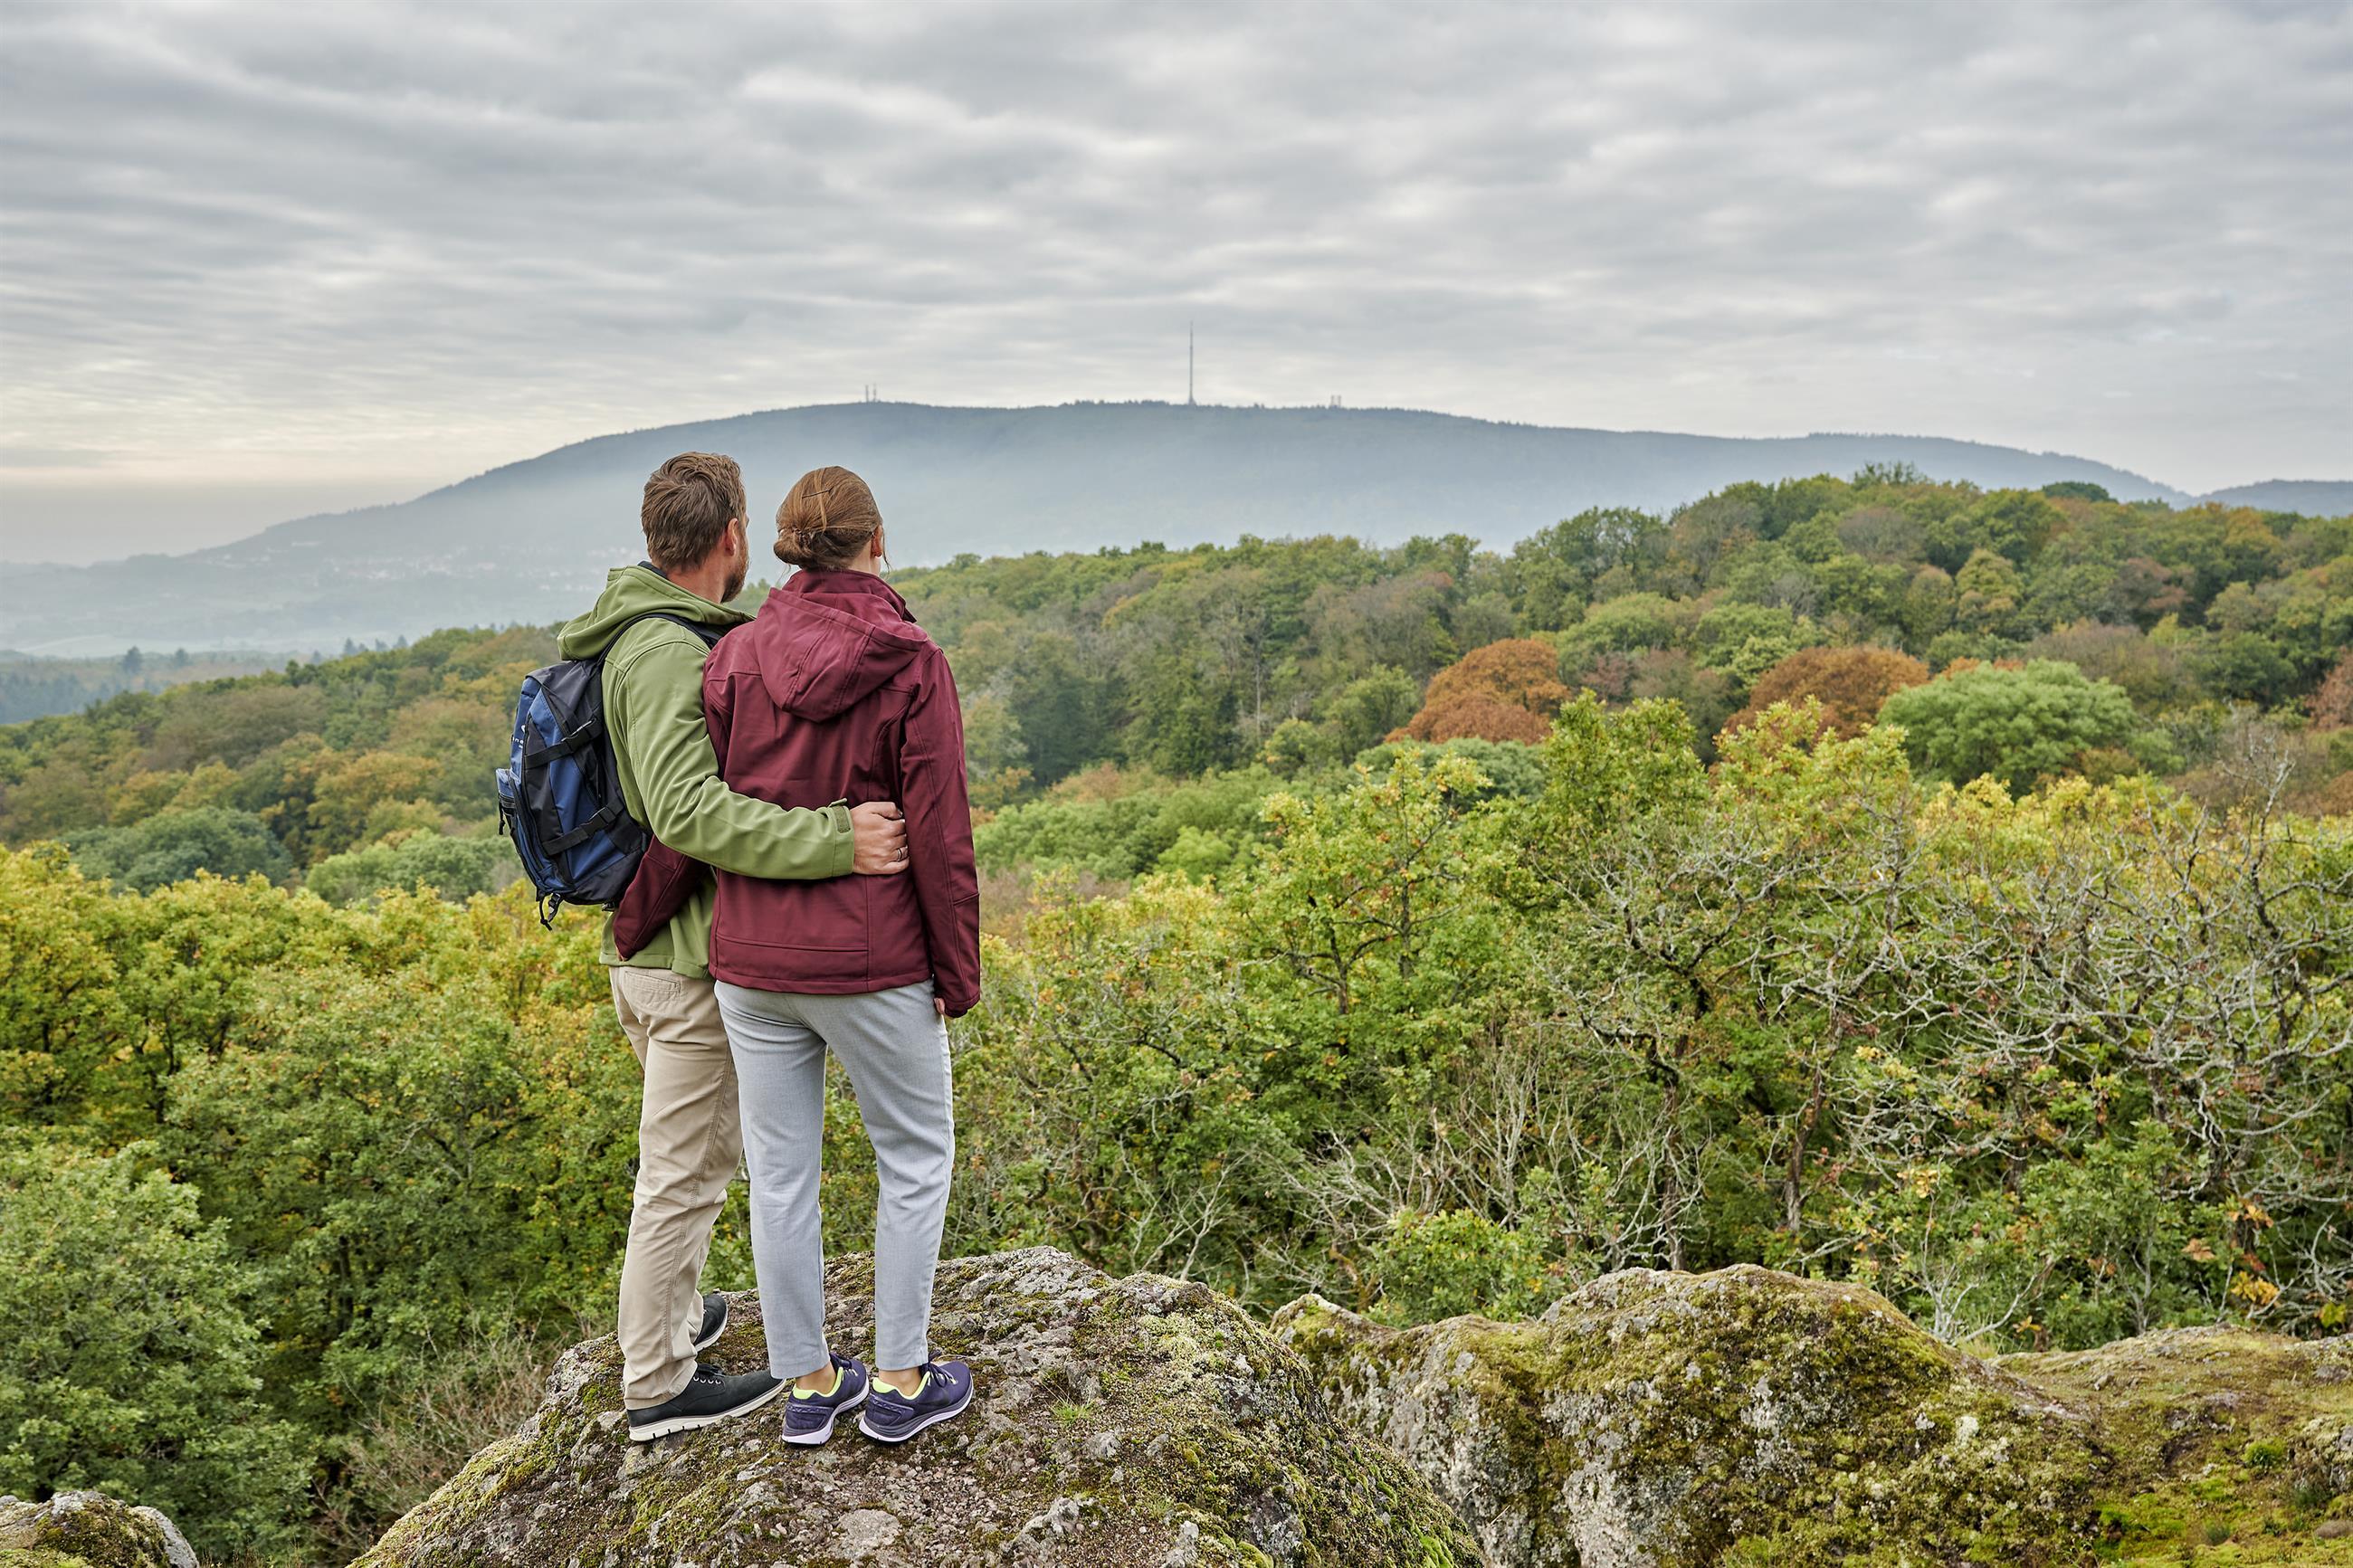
x=133 y=1352
x=382 y=1149
x=1433 y=1266
x=448 y=1404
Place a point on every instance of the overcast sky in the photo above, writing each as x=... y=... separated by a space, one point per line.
x=259 y=260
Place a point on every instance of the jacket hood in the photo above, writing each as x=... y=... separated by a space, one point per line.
x=826 y=640
x=630 y=592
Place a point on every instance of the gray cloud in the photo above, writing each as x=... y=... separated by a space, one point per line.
x=251 y=249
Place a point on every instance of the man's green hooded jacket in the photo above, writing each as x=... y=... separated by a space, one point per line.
x=670 y=775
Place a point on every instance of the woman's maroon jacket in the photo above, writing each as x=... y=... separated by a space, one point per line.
x=833 y=693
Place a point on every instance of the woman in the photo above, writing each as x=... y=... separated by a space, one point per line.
x=833 y=693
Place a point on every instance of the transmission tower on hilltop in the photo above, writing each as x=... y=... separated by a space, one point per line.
x=1188 y=365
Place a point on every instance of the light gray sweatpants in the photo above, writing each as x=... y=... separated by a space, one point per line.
x=895 y=1049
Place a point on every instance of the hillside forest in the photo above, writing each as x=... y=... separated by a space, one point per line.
x=1878 y=878
x=31 y=685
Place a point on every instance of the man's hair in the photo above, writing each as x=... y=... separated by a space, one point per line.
x=689 y=501
x=827 y=520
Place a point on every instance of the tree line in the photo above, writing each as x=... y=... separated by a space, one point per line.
x=2113 y=638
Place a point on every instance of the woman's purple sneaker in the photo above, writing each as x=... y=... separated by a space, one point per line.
x=893 y=1417
x=808 y=1417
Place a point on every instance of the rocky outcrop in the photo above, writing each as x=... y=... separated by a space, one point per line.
x=1747 y=1417
x=1134 y=1420
x=1739 y=1419
x=2216 y=1437
x=1662 y=1420
x=88 y=1530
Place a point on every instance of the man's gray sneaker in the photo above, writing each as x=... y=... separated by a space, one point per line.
x=715 y=1320
x=808 y=1417
x=709 y=1398
x=894 y=1417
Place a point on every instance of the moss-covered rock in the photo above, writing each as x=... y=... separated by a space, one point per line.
x=1747 y=1417
x=2222 y=1446
x=1136 y=1421
x=88 y=1530
x=1743 y=1418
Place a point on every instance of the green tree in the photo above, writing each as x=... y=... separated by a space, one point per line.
x=425 y=1128
x=133 y=1350
x=1926 y=611
x=174 y=845
x=1605 y=769
x=60 y=1004
x=2245 y=665
x=1061 y=707
x=1363 y=712
x=1744 y=641
x=453 y=867
x=1558 y=570
x=1624 y=625
x=2013 y=524
x=1990 y=590
x=2020 y=726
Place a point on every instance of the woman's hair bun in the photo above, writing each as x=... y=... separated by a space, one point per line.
x=827 y=520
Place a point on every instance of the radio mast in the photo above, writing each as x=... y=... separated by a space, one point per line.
x=1188 y=365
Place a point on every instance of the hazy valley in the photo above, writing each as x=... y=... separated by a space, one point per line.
x=520 y=543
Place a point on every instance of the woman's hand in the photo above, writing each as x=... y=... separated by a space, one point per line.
x=877 y=835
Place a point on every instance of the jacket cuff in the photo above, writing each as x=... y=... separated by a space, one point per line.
x=842 y=849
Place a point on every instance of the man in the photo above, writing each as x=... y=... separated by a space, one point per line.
x=688 y=1139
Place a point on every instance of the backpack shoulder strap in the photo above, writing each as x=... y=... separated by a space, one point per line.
x=710 y=635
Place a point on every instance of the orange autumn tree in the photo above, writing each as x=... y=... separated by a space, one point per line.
x=1850 y=683
x=1507 y=690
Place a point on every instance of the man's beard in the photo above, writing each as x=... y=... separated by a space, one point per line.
x=735 y=582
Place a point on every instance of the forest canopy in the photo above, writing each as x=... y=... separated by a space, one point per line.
x=1423 y=1044
x=2094 y=636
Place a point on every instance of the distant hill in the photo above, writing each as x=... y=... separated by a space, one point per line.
x=528 y=543
x=2313 y=498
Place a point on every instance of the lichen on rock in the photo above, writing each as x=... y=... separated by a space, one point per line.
x=88 y=1530
x=1131 y=1421
x=1656 y=1420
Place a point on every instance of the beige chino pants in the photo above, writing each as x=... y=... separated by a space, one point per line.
x=689 y=1143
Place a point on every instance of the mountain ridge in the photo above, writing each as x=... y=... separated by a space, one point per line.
x=527 y=540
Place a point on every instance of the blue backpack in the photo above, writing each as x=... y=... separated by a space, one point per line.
x=560 y=793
